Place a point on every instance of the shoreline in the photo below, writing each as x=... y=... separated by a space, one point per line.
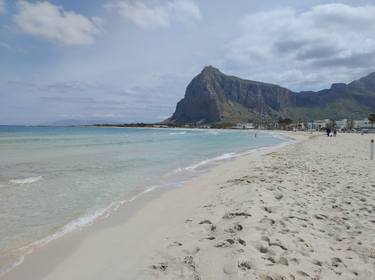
x=139 y=199
x=301 y=211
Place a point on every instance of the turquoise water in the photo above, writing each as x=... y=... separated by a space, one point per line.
x=55 y=179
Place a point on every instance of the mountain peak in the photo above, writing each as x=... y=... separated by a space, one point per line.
x=210 y=70
x=213 y=97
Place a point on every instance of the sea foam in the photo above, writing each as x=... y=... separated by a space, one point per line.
x=24 y=181
x=177 y=133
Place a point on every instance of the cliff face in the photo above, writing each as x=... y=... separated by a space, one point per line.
x=201 y=100
x=215 y=97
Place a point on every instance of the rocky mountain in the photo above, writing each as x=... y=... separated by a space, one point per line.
x=213 y=97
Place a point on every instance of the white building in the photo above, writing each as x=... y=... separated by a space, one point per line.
x=244 y=126
x=318 y=124
x=342 y=124
x=362 y=123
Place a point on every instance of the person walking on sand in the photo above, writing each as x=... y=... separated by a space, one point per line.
x=328 y=131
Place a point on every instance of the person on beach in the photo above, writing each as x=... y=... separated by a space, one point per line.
x=334 y=133
x=328 y=132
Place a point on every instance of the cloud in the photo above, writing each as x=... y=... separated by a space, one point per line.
x=43 y=19
x=93 y=100
x=153 y=15
x=308 y=46
x=2 y=6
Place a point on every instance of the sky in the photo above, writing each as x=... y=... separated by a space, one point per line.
x=131 y=60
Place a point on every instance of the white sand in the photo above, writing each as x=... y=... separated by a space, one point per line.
x=306 y=211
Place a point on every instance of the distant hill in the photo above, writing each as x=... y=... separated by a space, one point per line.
x=213 y=97
x=73 y=122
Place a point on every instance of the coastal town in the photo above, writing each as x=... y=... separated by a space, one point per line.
x=342 y=125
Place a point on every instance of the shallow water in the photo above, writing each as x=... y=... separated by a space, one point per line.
x=56 y=179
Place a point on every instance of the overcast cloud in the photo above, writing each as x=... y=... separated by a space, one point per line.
x=153 y=15
x=302 y=48
x=131 y=60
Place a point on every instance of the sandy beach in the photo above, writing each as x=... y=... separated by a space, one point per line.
x=302 y=211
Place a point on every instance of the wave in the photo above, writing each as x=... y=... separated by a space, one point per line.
x=207 y=161
x=177 y=133
x=214 y=132
x=24 y=181
x=194 y=166
x=89 y=218
x=281 y=136
x=231 y=155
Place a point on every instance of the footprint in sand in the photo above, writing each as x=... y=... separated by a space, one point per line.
x=283 y=261
x=225 y=243
x=262 y=247
x=190 y=263
x=279 y=196
x=234 y=229
x=229 y=242
x=267 y=209
x=245 y=265
x=302 y=273
x=160 y=266
x=212 y=227
x=230 y=268
x=272 y=276
x=317 y=263
x=231 y=215
x=176 y=243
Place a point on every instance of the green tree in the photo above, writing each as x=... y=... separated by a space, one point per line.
x=306 y=125
x=331 y=124
x=350 y=124
x=371 y=119
x=283 y=123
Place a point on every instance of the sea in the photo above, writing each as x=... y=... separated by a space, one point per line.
x=56 y=180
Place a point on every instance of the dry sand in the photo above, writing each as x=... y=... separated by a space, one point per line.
x=304 y=211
